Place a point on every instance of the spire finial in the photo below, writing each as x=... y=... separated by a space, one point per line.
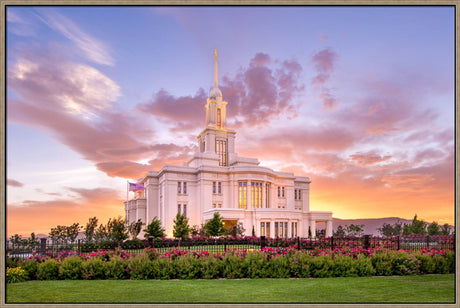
x=216 y=83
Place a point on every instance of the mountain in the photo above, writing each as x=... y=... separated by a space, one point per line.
x=370 y=224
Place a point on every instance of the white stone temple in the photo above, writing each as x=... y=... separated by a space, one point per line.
x=216 y=179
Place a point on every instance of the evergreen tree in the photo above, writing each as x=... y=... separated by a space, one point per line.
x=354 y=230
x=340 y=232
x=389 y=230
x=416 y=227
x=135 y=228
x=90 y=229
x=214 y=226
x=445 y=229
x=434 y=229
x=181 y=228
x=154 y=229
x=116 y=229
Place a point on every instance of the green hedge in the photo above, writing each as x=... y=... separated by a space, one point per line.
x=236 y=264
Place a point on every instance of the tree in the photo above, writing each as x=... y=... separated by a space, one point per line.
x=135 y=228
x=90 y=229
x=309 y=231
x=101 y=233
x=181 y=228
x=32 y=242
x=340 y=232
x=214 y=226
x=71 y=232
x=389 y=230
x=236 y=230
x=434 y=229
x=445 y=229
x=154 y=229
x=354 y=230
x=199 y=231
x=116 y=229
x=416 y=227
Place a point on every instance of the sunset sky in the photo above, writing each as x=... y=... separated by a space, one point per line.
x=359 y=99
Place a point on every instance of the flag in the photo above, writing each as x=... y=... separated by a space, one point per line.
x=135 y=187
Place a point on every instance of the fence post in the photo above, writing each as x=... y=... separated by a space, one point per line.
x=150 y=241
x=366 y=241
x=225 y=244
x=427 y=241
x=398 y=241
x=78 y=246
x=262 y=242
x=43 y=244
x=298 y=243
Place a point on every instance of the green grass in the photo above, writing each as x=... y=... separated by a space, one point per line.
x=396 y=289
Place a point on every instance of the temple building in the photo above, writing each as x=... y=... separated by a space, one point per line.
x=216 y=179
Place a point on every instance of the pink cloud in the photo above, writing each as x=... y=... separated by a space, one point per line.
x=369 y=158
x=324 y=62
x=14 y=183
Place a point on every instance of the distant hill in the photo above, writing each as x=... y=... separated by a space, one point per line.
x=370 y=224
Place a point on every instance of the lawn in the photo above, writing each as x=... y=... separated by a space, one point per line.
x=395 y=289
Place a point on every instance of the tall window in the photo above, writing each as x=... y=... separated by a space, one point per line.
x=213 y=187
x=219 y=187
x=279 y=191
x=282 y=191
x=219 y=118
x=265 y=229
x=276 y=230
x=221 y=150
x=256 y=194
x=178 y=208
x=267 y=195
x=295 y=194
x=185 y=210
x=294 y=229
x=185 y=187
x=179 y=191
x=242 y=195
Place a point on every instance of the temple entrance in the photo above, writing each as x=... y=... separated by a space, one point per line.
x=231 y=226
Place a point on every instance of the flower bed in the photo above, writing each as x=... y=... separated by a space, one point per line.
x=281 y=262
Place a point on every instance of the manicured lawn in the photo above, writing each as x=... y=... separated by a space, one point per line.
x=396 y=289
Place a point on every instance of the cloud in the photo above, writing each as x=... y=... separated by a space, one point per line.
x=324 y=64
x=369 y=158
x=103 y=203
x=94 y=49
x=253 y=94
x=14 y=183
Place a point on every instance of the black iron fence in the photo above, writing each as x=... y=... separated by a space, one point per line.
x=220 y=245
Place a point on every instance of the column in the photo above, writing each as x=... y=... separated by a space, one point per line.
x=329 y=228
x=313 y=228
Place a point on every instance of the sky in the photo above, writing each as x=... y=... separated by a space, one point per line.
x=359 y=99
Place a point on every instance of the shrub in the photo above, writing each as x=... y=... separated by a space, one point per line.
x=363 y=266
x=320 y=267
x=188 y=267
x=300 y=265
x=13 y=262
x=344 y=266
x=212 y=268
x=71 y=268
x=48 y=270
x=116 y=268
x=382 y=264
x=256 y=265
x=93 y=268
x=31 y=268
x=232 y=266
x=15 y=274
x=133 y=244
x=279 y=267
x=427 y=263
x=403 y=263
x=140 y=267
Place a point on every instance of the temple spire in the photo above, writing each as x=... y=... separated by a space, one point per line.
x=216 y=83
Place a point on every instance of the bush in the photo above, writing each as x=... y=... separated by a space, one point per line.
x=363 y=266
x=320 y=267
x=427 y=263
x=133 y=244
x=93 y=268
x=403 y=263
x=15 y=274
x=31 y=268
x=116 y=268
x=212 y=268
x=48 y=270
x=71 y=268
x=382 y=264
x=140 y=267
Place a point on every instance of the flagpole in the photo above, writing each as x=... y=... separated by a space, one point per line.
x=127 y=200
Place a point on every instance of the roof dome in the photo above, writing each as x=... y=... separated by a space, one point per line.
x=215 y=92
